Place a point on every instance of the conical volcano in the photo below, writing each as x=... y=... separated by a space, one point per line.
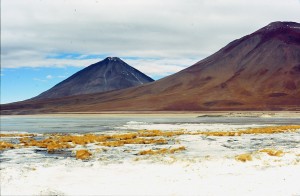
x=109 y=74
x=260 y=71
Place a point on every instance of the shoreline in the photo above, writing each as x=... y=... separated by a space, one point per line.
x=168 y=114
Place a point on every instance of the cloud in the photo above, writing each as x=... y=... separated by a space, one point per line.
x=37 y=33
x=49 y=77
x=39 y=80
x=158 y=68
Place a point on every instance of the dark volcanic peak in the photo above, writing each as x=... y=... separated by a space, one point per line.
x=260 y=71
x=113 y=58
x=286 y=32
x=280 y=30
x=109 y=74
x=280 y=25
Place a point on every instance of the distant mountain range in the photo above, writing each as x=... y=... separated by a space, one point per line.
x=260 y=71
x=110 y=74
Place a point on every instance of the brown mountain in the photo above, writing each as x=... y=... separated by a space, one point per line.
x=110 y=74
x=260 y=71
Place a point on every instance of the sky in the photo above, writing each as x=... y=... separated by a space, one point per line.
x=45 y=41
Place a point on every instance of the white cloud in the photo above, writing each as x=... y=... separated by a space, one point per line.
x=39 y=80
x=160 y=67
x=174 y=31
x=49 y=76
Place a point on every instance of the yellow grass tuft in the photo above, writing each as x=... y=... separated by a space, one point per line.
x=17 y=135
x=133 y=141
x=272 y=129
x=173 y=150
x=244 y=157
x=83 y=154
x=260 y=130
x=219 y=133
x=49 y=143
x=273 y=152
x=6 y=145
x=162 y=151
x=112 y=143
x=155 y=133
x=124 y=136
x=153 y=152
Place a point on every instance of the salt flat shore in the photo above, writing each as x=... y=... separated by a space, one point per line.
x=168 y=177
x=139 y=157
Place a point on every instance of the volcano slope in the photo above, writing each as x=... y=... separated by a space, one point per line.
x=260 y=71
x=109 y=74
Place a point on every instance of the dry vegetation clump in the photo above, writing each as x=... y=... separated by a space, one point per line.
x=49 y=143
x=271 y=130
x=6 y=145
x=112 y=143
x=83 y=139
x=53 y=146
x=248 y=156
x=146 y=141
x=218 y=133
x=273 y=152
x=244 y=157
x=153 y=152
x=17 y=135
x=173 y=150
x=58 y=141
x=155 y=133
x=126 y=136
x=261 y=130
x=162 y=151
x=108 y=140
x=55 y=142
x=83 y=154
x=133 y=141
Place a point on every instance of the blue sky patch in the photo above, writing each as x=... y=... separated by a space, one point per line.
x=76 y=56
x=24 y=83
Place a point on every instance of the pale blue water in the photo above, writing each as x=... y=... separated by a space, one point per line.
x=97 y=123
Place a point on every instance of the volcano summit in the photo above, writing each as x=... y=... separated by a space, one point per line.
x=110 y=74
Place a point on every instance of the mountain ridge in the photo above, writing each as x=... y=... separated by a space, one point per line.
x=255 y=72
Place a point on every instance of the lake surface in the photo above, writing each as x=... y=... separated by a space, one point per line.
x=99 y=123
